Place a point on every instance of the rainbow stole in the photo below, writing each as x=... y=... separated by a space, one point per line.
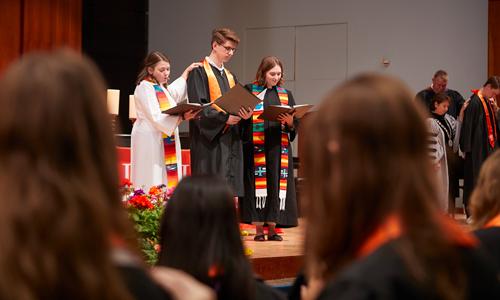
x=168 y=141
x=259 y=154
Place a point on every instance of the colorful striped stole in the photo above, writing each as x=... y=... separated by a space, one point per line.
x=259 y=157
x=168 y=141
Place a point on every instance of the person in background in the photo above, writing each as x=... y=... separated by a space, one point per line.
x=269 y=180
x=374 y=227
x=449 y=164
x=479 y=133
x=155 y=146
x=439 y=85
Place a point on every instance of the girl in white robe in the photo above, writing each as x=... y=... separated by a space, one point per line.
x=147 y=149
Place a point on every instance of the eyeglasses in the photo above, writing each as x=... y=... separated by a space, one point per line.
x=228 y=49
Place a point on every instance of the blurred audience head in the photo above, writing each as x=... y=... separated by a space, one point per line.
x=367 y=160
x=485 y=200
x=200 y=235
x=61 y=206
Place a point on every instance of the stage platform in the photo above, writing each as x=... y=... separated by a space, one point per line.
x=278 y=261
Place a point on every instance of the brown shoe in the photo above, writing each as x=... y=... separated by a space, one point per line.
x=259 y=238
x=274 y=237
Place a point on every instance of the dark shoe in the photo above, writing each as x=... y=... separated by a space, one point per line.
x=259 y=238
x=274 y=237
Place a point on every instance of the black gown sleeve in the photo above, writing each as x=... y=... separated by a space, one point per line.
x=211 y=121
x=471 y=115
x=292 y=131
x=348 y=290
x=459 y=102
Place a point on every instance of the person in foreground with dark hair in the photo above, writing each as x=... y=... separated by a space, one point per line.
x=374 y=227
x=485 y=207
x=64 y=233
x=200 y=235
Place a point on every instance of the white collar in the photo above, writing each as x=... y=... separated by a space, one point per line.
x=221 y=69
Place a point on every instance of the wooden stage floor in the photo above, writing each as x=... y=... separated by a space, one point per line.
x=273 y=260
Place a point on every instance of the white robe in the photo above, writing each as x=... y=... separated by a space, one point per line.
x=147 y=152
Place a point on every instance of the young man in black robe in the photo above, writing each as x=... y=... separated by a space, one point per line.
x=439 y=83
x=215 y=136
x=479 y=134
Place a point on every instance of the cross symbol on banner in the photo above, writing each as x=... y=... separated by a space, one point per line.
x=260 y=171
x=284 y=173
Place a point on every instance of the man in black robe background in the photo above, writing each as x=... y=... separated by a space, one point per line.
x=477 y=140
x=439 y=85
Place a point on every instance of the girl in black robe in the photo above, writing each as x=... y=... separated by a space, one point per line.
x=255 y=209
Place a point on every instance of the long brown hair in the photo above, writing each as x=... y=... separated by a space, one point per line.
x=267 y=64
x=366 y=159
x=60 y=202
x=150 y=61
x=485 y=200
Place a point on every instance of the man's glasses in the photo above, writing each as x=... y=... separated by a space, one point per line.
x=228 y=49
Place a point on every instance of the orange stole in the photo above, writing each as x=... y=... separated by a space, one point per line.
x=492 y=129
x=392 y=228
x=495 y=222
x=213 y=84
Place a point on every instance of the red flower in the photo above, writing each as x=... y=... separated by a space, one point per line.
x=140 y=202
x=475 y=91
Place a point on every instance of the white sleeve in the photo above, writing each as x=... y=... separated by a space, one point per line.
x=178 y=89
x=147 y=104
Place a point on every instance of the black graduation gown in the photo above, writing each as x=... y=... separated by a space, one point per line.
x=272 y=134
x=474 y=143
x=140 y=285
x=490 y=240
x=383 y=275
x=214 y=149
x=425 y=97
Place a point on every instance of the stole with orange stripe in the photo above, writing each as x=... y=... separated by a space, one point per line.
x=495 y=222
x=492 y=128
x=258 y=138
x=213 y=85
x=392 y=228
x=168 y=141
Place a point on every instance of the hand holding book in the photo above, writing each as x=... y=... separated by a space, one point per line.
x=272 y=112
x=286 y=118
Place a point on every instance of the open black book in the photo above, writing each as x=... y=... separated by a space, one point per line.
x=183 y=107
x=272 y=112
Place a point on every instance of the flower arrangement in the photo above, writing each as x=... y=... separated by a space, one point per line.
x=145 y=210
